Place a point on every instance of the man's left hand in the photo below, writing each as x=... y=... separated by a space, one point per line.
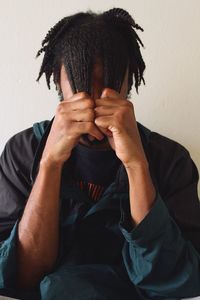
x=116 y=115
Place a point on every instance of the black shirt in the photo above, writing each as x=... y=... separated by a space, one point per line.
x=94 y=169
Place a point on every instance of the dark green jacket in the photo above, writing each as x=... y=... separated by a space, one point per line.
x=101 y=256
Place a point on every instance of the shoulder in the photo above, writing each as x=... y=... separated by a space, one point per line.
x=170 y=161
x=161 y=145
x=29 y=138
x=167 y=151
x=19 y=151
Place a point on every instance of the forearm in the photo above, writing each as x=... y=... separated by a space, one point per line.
x=158 y=258
x=141 y=190
x=38 y=231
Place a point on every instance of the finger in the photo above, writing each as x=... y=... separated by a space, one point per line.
x=110 y=102
x=107 y=122
x=104 y=122
x=89 y=128
x=82 y=115
x=80 y=104
x=105 y=110
x=110 y=93
x=77 y=96
x=105 y=131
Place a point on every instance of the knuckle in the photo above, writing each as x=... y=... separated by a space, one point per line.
x=129 y=103
x=60 y=107
x=83 y=94
x=89 y=103
x=91 y=114
x=106 y=91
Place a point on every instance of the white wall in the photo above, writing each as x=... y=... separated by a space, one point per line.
x=168 y=104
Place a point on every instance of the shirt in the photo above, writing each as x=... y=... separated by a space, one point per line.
x=94 y=169
x=101 y=254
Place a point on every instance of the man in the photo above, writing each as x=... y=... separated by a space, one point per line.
x=94 y=205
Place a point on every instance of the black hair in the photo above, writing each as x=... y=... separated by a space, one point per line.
x=77 y=40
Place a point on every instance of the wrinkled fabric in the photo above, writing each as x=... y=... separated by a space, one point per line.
x=101 y=254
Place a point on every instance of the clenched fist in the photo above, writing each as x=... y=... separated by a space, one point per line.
x=74 y=117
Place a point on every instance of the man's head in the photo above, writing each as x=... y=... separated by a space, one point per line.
x=97 y=87
x=88 y=52
x=78 y=40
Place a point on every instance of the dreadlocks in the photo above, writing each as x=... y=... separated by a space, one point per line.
x=77 y=40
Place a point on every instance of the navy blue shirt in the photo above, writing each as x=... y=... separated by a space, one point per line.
x=94 y=169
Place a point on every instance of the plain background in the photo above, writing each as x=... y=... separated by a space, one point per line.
x=169 y=103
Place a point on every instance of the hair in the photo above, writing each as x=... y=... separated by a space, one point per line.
x=78 y=40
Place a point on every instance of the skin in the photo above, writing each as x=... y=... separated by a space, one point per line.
x=115 y=119
x=96 y=90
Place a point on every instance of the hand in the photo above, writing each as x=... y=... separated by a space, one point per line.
x=74 y=117
x=117 y=116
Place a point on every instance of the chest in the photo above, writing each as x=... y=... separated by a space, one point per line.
x=89 y=233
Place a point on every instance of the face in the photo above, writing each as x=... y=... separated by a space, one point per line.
x=96 y=90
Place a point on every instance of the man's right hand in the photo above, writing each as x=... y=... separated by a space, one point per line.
x=74 y=117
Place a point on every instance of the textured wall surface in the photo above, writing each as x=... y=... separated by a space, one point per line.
x=168 y=104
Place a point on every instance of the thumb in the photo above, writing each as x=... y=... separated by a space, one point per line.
x=110 y=93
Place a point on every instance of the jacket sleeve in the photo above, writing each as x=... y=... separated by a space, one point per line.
x=162 y=253
x=10 y=197
x=14 y=190
x=8 y=260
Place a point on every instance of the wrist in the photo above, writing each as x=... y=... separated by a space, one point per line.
x=50 y=164
x=139 y=165
x=140 y=176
